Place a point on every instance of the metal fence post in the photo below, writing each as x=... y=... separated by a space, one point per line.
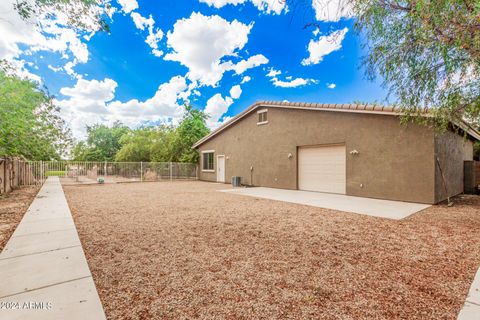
x=171 y=172
x=141 y=171
x=42 y=177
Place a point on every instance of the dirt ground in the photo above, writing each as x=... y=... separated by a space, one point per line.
x=12 y=208
x=182 y=250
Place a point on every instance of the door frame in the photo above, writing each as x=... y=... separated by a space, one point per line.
x=218 y=166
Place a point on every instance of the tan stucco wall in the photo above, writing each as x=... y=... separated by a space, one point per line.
x=452 y=150
x=394 y=161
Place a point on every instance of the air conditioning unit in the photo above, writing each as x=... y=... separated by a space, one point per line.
x=237 y=181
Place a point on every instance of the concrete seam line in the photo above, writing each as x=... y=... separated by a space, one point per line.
x=472 y=303
x=48 y=286
x=34 y=253
x=34 y=233
x=47 y=219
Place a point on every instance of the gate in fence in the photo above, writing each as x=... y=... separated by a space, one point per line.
x=17 y=172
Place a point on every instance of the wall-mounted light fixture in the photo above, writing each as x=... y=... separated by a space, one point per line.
x=290 y=156
x=354 y=152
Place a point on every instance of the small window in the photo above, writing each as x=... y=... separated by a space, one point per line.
x=207 y=161
x=262 y=116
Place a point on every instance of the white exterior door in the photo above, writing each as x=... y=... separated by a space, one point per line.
x=322 y=168
x=220 y=168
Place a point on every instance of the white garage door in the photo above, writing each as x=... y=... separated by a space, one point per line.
x=322 y=169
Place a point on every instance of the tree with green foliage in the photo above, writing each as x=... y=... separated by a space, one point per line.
x=427 y=52
x=30 y=124
x=81 y=14
x=162 y=148
x=136 y=145
x=163 y=143
x=192 y=128
x=102 y=143
x=79 y=151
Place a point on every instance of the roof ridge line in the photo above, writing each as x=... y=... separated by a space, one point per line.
x=339 y=107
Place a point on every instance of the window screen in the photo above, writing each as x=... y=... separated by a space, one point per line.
x=207 y=161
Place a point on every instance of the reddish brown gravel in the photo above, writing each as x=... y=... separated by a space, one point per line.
x=12 y=208
x=182 y=250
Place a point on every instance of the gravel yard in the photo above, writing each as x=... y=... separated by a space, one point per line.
x=182 y=250
x=12 y=208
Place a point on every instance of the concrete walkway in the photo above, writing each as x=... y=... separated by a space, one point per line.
x=471 y=308
x=372 y=207
x=43 y=270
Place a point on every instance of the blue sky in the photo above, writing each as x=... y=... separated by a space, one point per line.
x=219 y=55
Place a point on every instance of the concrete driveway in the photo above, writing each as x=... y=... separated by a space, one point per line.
x=372 y=207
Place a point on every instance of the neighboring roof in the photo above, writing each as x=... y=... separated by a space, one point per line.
x=351 y=107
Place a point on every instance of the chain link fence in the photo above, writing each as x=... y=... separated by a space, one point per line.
x=74 y=172
x=17 y=172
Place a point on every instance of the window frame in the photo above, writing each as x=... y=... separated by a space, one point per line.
x=212 y=152
x=262 y=116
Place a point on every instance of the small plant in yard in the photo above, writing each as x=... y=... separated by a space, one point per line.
x=319 y=294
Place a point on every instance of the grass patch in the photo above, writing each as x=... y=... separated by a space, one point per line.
x=55 y=173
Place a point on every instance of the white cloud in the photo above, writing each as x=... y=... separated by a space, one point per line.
x=68 y=67
x=290 y=82
x=273 y=73
x=19 y=70
x=142 y=22
x=128 y=5
x=246 y=79
x=270 y=6
x=86 y=103
x=324 y=46
x=154 y=34
x=54 y=69
x=252 y=62
x=331 y=85
x=217 y=106
x=221 y=3
x=332 y=10
x=157 y=53
x=200 y=42
x=266 y=6
x=153 y=38
x=235 y=92
x=297 y=82
x=44 y=33
x=92 y=101
x=91 y=90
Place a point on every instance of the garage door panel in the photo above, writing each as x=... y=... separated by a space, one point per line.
x=322 y=169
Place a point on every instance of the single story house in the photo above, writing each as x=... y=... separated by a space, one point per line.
x=357 y=150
